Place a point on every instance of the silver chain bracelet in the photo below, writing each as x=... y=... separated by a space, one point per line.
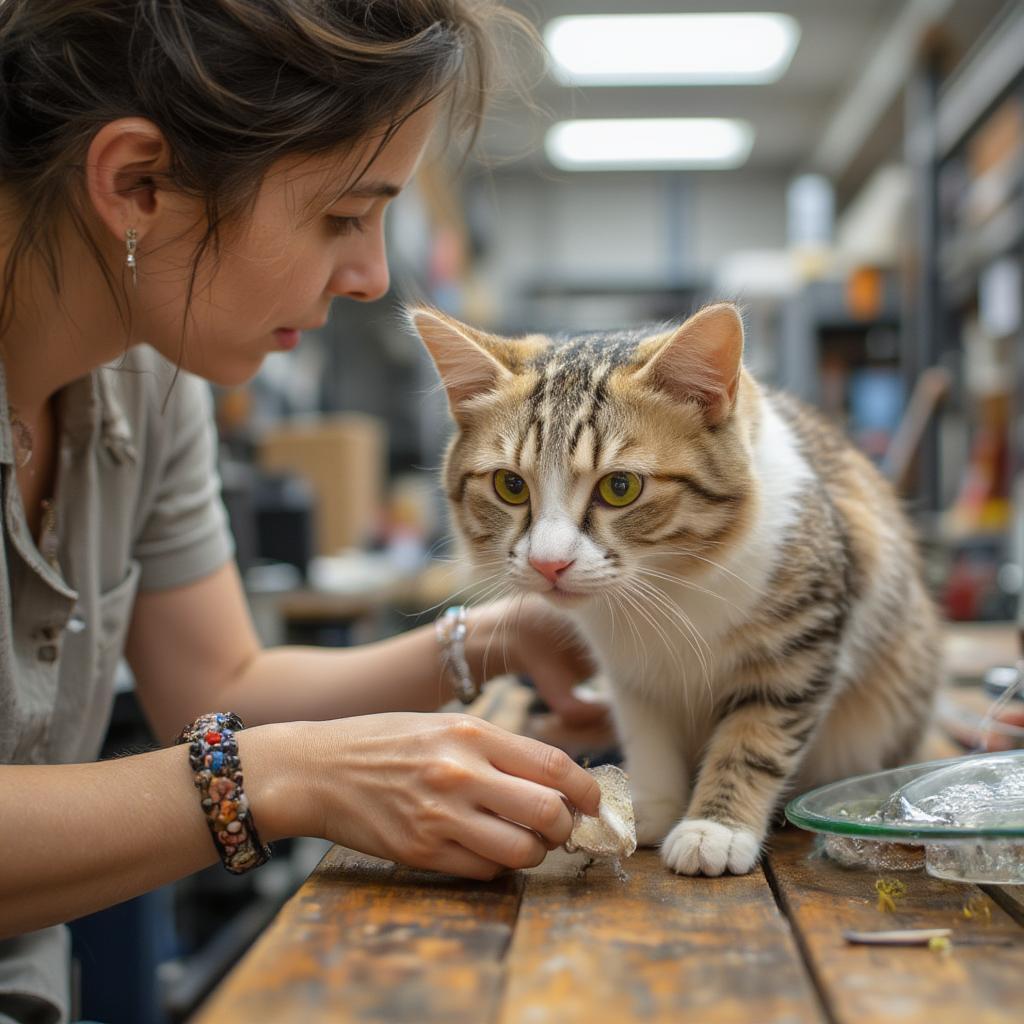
x=450 y=630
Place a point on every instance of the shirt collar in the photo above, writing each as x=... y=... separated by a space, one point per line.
x=85 y=404
x=6 y=443
x=115 y=427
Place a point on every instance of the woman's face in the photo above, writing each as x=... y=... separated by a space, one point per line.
x=279 y=270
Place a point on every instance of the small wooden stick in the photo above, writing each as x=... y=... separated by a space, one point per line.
x=902 y=937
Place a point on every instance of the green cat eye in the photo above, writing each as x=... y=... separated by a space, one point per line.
x=511 y=487
x=619 y=489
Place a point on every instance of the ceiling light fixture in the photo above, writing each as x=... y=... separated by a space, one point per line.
x=671 y=49
x=675 y=143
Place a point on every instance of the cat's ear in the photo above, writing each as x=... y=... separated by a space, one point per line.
x=700 y=361
x=464 y=357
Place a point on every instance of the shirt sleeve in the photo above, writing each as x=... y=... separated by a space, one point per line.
x=185 y=534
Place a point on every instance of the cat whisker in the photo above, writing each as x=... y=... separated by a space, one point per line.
x=689 y=552
x=693 y=637
x=638 y=644
x=701 y=648
x=451 y=596
x=436 y=546
x=500 y=632
x=634 y=596
x=682 y=581
x=611 y=613
x=495 y=591
x=658 y=597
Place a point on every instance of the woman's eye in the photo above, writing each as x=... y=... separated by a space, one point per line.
x=619 y=489
x=345 y=225
x=511 y=487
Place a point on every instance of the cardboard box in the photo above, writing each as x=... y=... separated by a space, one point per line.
x=344 y=458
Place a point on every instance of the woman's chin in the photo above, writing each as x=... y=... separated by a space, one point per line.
x=224 y=373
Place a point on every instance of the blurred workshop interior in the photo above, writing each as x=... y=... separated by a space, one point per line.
x=851 y=175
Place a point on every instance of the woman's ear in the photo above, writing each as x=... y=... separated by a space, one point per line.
x=123 y=162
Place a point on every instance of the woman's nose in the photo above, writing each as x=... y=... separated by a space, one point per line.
x=364 y=277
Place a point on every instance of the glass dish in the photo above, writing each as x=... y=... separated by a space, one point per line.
x=884 y=820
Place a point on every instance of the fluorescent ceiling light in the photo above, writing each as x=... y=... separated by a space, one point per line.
x=664 y=143
x=671 y=49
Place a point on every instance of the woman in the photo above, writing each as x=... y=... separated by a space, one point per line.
x=204 y=177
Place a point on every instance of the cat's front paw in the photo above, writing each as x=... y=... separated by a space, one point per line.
x=654 y=820
x=697 y=846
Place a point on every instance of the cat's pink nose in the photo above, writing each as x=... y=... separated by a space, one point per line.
x=550 y=570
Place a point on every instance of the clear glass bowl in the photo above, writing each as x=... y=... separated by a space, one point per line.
x=966 y=812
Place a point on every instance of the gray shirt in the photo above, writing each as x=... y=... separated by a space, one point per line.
x=138 y=506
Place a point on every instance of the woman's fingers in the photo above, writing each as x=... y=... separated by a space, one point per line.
x=547 y=766
x=535 y=807
x=501 y=842
x=455 y=859
x=574 y=712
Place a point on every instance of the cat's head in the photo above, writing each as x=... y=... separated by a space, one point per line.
x=580 y=461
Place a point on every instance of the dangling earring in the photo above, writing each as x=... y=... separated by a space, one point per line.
x=131 y=240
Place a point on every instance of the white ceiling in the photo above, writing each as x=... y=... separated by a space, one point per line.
x=838 y=39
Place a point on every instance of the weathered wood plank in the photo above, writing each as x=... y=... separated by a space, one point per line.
x=364 y=940
x=1010 y=898
x=505 y=702
x=657 y=947
x=983 y=984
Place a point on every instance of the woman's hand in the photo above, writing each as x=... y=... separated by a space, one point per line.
x=1013 y=715
x=527 y=636
x=445 y=792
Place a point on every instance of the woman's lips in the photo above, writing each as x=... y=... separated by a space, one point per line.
x=287 y=338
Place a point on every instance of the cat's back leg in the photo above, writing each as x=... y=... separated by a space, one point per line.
x=881 y=717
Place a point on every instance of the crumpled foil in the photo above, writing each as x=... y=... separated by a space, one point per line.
x=984 y=793
x=611 y=835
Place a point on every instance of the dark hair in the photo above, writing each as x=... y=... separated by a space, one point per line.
x=233 y=85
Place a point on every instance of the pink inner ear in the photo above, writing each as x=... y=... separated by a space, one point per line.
x=701 y=362
x=466 y=369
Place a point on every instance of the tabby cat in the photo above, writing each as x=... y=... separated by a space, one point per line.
x=746 y=578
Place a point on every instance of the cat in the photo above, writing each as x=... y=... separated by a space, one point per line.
x=745 y=577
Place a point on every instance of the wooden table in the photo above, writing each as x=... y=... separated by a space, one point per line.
x=366 y=941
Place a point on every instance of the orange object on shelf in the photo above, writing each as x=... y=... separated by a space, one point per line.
x=983 y=502
x=865 y=292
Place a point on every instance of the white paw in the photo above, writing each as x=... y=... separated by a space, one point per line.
x=654 y=820
x=697 y=846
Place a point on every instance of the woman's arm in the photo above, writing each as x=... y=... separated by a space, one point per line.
x=81 y=837
x=193 y=649
x=442 y=792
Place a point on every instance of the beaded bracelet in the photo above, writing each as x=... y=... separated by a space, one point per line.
x=450 y=630
x=213 y=755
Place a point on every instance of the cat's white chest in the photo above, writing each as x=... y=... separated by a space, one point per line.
x=675 y=659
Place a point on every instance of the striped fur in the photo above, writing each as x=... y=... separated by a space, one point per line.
x=758 y=611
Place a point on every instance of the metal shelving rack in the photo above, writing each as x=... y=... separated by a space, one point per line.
x=943 y=115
